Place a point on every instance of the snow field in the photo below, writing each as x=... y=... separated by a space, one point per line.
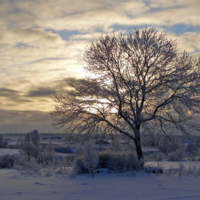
x=126 y=186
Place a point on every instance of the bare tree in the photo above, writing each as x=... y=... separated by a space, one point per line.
x=31 y=144
x=136 y=83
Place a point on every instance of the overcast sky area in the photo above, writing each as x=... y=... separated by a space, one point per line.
x=42 y=43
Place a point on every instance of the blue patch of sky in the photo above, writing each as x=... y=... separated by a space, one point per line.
x=21 y=45
x=147 y=2
x=158 y=9
x=64 y=34
x=179 y=29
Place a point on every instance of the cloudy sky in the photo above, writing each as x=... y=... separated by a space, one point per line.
x=42 y=43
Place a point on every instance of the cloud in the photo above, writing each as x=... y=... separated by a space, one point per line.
x=11 y=95
x=188 y=41
x=29 y=37
x=41 y=92
x=196 y=55
x=12 y=99
x=17 y=121
x=30 y=96
x=21 y=49
x=42 y=13
x=5 y=92
x=89 y=15
x=35 y=34
x=173 y=12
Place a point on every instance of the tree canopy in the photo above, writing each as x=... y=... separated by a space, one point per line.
x=136 y=83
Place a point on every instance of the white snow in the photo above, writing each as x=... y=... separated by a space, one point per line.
x=14 y=185
x=149 y=149
x=170 y=164
x=8 y=151
x=17 y=186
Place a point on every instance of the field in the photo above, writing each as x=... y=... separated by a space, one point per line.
x=179 y=180
x=17 y=186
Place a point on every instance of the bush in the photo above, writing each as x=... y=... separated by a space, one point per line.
x=6 y=161
x=22 y=163
x=90 y=158
x=30 y=150
x=87 y=163
x=69 y=158
x=31 y=144
x=79 y=166
x=119 y=161
x=46 y=157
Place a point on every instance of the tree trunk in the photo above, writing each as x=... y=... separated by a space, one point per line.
x=139 y=147
x=139 y=150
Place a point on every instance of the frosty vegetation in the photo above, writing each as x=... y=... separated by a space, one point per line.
x=66 y=156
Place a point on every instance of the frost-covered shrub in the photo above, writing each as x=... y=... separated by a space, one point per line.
x=176 y=156
x=30 y=150
x=90 y=158
x=22 y=163
x=47 y=157
x=87 y=162
x=104 y=159
x=69 y=158
x=119 y=161
x=31 y=144
x=79 y=166
x=7 y=161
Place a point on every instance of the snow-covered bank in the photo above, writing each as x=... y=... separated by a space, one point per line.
x=16 y=186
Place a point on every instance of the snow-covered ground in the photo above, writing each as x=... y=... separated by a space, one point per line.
x=17 y=186
x=171 y=185
x=8 y=151
x=171 y=164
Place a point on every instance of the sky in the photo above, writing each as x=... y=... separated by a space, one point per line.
x=42 y=43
